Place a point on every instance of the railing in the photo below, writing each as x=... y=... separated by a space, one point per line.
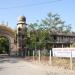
x=62 y=41
x=60 y=62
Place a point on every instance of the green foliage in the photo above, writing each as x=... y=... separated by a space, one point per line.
x=73 y=45
x=4 y=45
x=44 y=52
x=39 y=33
x=53 y=22
x=36 y=53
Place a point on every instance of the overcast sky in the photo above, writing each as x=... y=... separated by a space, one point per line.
x=34 y=10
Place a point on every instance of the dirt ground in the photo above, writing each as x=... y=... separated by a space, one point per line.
x=59 y=66
x=53 y=70
x=28 y=66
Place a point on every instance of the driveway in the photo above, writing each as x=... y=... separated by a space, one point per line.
x=16 y=66
x=19 y=66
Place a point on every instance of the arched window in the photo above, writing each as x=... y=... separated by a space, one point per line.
x=19 y=29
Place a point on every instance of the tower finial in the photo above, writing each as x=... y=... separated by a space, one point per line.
x=21 y=19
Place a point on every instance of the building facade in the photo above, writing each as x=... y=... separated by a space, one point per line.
x=62 y=40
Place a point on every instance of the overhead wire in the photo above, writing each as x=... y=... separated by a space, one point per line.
x=30 y=5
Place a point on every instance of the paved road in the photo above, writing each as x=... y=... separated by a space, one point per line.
x=15 y=66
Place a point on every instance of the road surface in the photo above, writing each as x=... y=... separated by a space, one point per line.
x=19 y=66
x=15 y=66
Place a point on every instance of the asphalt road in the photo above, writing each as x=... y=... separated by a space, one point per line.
x=14 y=66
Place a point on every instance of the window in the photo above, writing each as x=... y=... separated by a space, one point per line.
x=19 y=29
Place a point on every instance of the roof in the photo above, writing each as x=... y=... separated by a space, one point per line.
x=63 y=34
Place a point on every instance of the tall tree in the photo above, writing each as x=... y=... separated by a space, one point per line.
x=40 y=32
x=54 y=23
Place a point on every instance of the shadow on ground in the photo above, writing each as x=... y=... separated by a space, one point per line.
x=9 y=59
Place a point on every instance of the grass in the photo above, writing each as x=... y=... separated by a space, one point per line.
x=59 y=62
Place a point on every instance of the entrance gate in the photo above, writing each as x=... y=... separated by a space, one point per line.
x=9 y=33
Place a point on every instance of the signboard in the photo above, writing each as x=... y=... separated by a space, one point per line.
x=63 y=52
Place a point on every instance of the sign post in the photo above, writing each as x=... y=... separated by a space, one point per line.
x=71 y=61
x=33 y=55
x=50 y=62
x=65 y=52
x=39 y=56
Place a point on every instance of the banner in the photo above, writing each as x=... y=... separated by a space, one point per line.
x=63 y=52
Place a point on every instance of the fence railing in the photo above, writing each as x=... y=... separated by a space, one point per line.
x=45 y=56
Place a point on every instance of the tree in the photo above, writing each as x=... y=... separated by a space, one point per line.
x=4 y=45
x=40 y=32
x=54 y=23
x=73 y=45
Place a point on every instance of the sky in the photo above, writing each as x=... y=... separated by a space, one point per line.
x=35 y=10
